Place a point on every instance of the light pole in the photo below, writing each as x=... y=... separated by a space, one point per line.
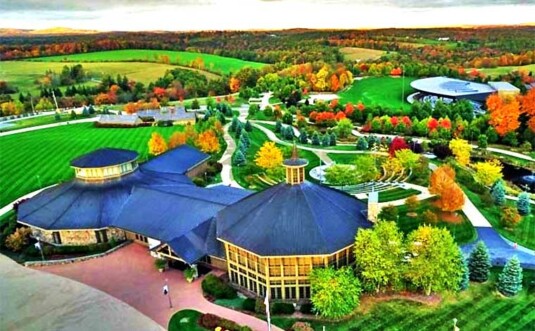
x=402 y=84
x=40 y=248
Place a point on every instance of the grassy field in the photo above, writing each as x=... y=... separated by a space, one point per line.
x=357 y=53
x=34 y=121
x=397 y=194
x=523 y=234
x=505 y=70
x=382 y=91
x=24 y=74
x=212 y=63
x=478 y=308
x=185 y=320
x=40 y=158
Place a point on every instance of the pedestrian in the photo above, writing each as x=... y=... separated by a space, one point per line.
x=515 y=245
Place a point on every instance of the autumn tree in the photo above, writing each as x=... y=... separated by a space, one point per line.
x=177 y=139
x=379 y=267
x=504 y=113
x=527 y=106
x=435 y=260
x=234 y=84
x=335 y=293
x=461 y=150
x=398 y=143
x=407 y=158
x=510 y=217
x=268 y=156
x=208 y=142
x=442 y=183
x=157 y=144
x=17 y=240
x=488 y=172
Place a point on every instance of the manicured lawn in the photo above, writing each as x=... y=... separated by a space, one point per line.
x=523 y=234
x=184 y=320
x=343 y=158
x=23 y=74
x=213 y=63
x=382 y=91
x=462 y=231
x=40 y=158
x=231 y=303
x=35 y=121
x=507 y=69
x=397 y=194
x=478 y=308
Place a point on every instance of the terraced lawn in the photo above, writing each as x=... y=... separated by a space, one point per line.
x=380 y=91
x=40 y=158
x=478 y=308
x=213 y=63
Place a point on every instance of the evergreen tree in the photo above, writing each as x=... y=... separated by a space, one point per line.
x=278 y=126
x=316 y=139
x=244 y=137
x=239 y=129
x=239 y=158
x=303 y=137
x=325 y=140
x=73 y=115
x=85 y=112
x=523 y=204
x=479 y=263
x=288 y=133
x=242 y=147
x=362 y=144
x=465 y=278
x=233 y=124
x=248 y=126
x=510 y=279
x=332 y=141
x=91 y=109
x=221 y=118
x=498 y=193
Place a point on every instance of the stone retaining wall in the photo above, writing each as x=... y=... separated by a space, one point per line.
x=74 y=259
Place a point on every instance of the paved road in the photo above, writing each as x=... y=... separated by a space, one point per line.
x=47 y=126
x=129 y=275
x=34 y=300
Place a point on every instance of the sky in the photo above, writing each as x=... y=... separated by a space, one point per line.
x=187 y=15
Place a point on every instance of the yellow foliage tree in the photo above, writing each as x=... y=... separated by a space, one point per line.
x=177 y=139
x=442 y=183
x=392 y=165
x=488 y=172
x=269 y=156
x=461 y=149
x=208 y=142
x=407 y=158
x=157 y=144
x=17 y=240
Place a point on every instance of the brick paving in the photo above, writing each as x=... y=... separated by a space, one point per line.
x=129 y=275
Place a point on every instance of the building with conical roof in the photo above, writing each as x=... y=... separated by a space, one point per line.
x=274 y=238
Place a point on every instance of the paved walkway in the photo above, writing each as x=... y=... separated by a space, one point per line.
x=34 y=300
x=129 y=275
x=47 y=126
x=226 y=160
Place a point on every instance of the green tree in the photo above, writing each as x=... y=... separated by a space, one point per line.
x=73 y=115
x=389 y=213
x=482 y=141
x=278 y=126
x=268 y=111
x=465 y=278
x=287 y=118
x=434 y=265
x=244 y=137
x=303 y=137
x=233 y=124
x=362 y=144
x=479 y=263
x=239 y=158
x=195 y=104
x=253 y=109
x=332 y=139
x=378 y=253
x=510 y=279
x=239 y=129
x=335 y=293
x=498 y=193
x=408 y=158
x=523 y=204
x=341 y=174
x=316 y=139
x=344 y=128
x=365 y=168
x=248 y=126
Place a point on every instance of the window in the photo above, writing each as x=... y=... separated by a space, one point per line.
x=102 y=236
x=56 y=237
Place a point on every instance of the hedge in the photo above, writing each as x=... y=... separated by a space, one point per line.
x=249 y=304
x=284 y=308
x=218 y=289
x=211 y=322
x=306 y=308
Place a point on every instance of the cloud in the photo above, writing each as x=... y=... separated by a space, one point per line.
x=70 y=5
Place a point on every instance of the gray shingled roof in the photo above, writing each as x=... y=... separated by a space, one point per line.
x=285 y=219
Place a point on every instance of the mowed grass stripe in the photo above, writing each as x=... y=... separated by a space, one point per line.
x=214 y=63
x=47 y=153
x=518 y=311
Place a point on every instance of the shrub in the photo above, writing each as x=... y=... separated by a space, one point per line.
x=389 y=213
x=199 y=181
x=429 y=217
x=302 y=326
x=510 y=217
x=215 y=287
x=282 y=308
x=260 y=307
x=212 y=322
x=249 y=305
x=19 y=239
x=412 y=203
x=306 y=308
x=160 y=263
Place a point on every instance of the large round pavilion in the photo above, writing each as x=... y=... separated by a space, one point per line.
x=274 y=238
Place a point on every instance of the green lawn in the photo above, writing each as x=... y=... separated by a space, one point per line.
x=523 y=234
x=382 y=91
x=463 y=231
x=23 y=74
x=397 y=194
x=213 y=63
x=35 y=121
x=185 y=320
x=40 y=158
x=478 y=308
x=507 y=69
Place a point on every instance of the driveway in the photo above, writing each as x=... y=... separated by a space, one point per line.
x=129 y=275
x=33 y=300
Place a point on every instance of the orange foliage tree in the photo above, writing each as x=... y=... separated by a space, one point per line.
x=527 y=106
x=234 y=84
x=177 y=139
x=208 y=142
x=504 y=113
x=157 y=144
x=442 y=183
